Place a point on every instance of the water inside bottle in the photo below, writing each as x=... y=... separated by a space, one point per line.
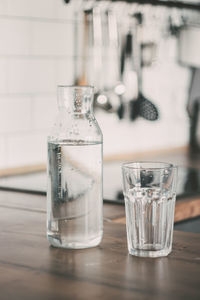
x=74 y=193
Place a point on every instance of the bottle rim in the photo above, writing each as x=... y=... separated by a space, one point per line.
x=148 y=165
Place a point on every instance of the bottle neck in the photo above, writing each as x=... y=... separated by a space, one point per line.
x=75 y=99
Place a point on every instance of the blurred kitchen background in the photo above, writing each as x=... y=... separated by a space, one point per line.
x=142 y=59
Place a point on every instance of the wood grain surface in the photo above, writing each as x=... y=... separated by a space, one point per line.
x=30 y=269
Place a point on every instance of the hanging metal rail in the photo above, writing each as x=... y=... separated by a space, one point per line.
x=168 y=3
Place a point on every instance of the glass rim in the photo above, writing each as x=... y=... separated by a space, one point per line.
x=150 y=165
x=75 y=86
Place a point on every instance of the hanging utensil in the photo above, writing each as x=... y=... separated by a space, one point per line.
x=100 y=98
x=127 y=67
x=114 y=85
x=141 y=106
x=82 y=78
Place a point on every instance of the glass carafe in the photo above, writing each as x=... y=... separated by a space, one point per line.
x=74 y=196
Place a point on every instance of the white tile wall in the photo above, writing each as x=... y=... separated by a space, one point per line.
x=28 y=8
x=3 y=7
x=3 y=152
x=52 y=39
x=25 y=149
x=64 y=71
x=44 y=110
x=15 y=114
x=3 y=75
x=31 y=75
x=37 y=54
x=49 y=9
x=63 y=11
x=141 y=135
x=15 y=37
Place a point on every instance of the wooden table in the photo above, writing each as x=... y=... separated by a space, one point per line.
x=30 y=269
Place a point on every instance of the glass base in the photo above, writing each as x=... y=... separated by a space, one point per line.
x=64 y=243
x=150 y=253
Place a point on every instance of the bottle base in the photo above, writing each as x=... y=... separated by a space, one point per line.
x=64 y=243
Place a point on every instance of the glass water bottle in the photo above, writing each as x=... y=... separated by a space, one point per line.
x=74 y=196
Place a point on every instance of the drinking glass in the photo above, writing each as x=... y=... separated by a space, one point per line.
x=150 y=195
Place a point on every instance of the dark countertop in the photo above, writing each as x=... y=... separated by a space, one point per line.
x=32 y=270
x=33 y=180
